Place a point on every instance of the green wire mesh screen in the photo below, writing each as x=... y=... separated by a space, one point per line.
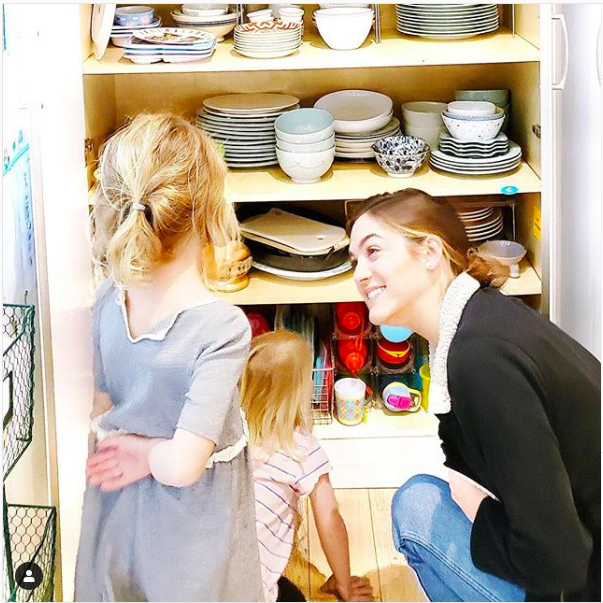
x=29 y=536
x=18 y=380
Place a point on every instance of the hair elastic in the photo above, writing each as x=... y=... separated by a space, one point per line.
x=138 y=207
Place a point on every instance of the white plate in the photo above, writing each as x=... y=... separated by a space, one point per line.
x=232 y=129
x=485 y=166
x=238 y=165
x=473 y=173
x=247 y=116
x=122 y=30
x=250 y=104
x=392 y=126
x=267 y=47
x=355 y=105
x=448 y=36
x=225 y=120
x=304 y=276
x=102 y=23
x=168 y=36
x=467 y=27
x=266 y=55
x=513 y=153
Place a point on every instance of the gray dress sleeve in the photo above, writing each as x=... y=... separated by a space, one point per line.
x=100 y=382
x=215 y=375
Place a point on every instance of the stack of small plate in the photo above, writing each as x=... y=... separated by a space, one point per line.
x=475 y=149
x=121 y=34
x=357 y=147
x=482 y=223
x=169 y=44
x=220 y=25
x=244 y=125
x=267 y=39
x=478 y=167
x=446 y=21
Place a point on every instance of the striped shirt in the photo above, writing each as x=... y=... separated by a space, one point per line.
x=280 y=481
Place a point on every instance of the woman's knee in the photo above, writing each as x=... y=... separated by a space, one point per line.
x=415 y=502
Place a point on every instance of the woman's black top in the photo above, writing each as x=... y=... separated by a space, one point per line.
x=526 y=424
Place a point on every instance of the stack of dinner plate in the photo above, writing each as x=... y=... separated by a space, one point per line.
x=475 y=149
x=357 y=147
x=169 y=44
x=467 y=165
x=446 y=21
x=482 y=223
x=244 y=125
x=267 y=39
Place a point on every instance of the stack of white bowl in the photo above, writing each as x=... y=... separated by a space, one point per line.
x=344 y=28
x=499 y=97
x=423 y=119
x=305 y=144
x=213 y=18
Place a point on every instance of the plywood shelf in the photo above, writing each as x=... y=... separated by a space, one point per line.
x=362 y=180
x=395 y=50
x=378 y=424
x=268 y=289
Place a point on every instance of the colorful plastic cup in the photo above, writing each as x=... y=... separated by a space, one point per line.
x=350 y=397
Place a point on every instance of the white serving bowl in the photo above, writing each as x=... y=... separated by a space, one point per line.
x=306 y=147
x=302 y=126
x=471 y=108
x=508 y=253
x=257 y=16
x=204 y=10
x=357 y=111
x=423 y=114
x=468 y=130
x=430 y=135
x=344 y=28
x=305 y=168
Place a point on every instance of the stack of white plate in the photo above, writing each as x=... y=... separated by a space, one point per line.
x=475 y=149
x=121 y=34
x=482 y=223
x=358 y=146
x=446 y=21
x=244 y=125
x=169 y=44
x=268 y=39
x=477 y=167
x=220 y=25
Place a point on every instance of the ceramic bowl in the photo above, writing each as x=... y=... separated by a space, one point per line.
x=305 y=168
x=423 y=114
x=344 y=28
x=508 y=253
x=400 y=156
x=306 y=147
x=128 y=16
x=468 y=130
x=430 y=135
x=498 y=114
x=204 y=10
x=498 y=97
x=258 y=16
x=220 y=30
x=471 y=108
x=304 y=126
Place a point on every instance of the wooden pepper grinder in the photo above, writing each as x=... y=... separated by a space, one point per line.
x=227 y=267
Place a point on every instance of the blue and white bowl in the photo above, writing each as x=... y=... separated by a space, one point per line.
x=129 y=16
x=400 y=156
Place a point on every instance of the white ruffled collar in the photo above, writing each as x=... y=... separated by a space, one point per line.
x=457 y=295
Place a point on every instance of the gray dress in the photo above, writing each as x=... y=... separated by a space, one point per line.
x=150 y=542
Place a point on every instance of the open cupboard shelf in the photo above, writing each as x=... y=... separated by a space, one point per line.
x=362 y=180
x=269 y=289
x=394 y=50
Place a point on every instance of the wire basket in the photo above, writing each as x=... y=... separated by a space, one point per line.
x=29 y=537
x=322 y=398
x=18 y=381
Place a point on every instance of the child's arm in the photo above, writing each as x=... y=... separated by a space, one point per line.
x=101 y=403
x=334 y=541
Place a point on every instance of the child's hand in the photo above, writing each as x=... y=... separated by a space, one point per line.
x=120 y=461
x=358 y=589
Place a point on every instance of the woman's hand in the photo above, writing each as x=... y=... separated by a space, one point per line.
x=120 y=461
x=358 y=589
x=467 y=496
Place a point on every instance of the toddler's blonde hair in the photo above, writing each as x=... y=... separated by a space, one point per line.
x=176 y=173
x=276 y=390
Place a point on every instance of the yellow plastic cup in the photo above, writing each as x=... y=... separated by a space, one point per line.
x=425 y=378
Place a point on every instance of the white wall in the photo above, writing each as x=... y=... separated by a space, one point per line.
x=580 y=234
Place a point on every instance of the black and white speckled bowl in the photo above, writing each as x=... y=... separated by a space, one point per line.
x=400 y=156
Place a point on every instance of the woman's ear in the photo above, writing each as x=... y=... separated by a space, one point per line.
x=433 y=252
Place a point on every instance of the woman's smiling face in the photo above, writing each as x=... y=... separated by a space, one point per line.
x=390 y=271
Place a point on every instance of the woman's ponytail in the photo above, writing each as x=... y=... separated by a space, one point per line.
x=488 y=271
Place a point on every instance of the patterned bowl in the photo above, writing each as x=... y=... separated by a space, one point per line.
x=400 y=156
x=465 y=129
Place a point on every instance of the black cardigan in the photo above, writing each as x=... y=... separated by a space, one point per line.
x=525 y=423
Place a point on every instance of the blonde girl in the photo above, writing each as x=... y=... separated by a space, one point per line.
x=168 y=510
x=289 y=463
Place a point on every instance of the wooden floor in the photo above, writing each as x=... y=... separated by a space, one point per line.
x=367 y=514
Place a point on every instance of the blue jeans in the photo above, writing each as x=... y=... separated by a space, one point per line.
x=434 y=535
